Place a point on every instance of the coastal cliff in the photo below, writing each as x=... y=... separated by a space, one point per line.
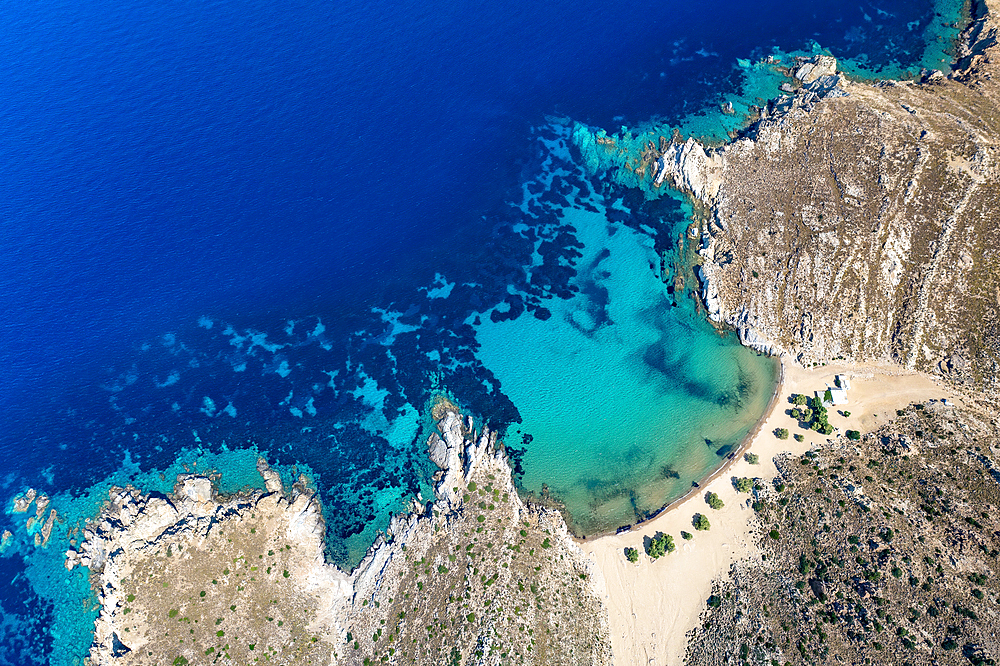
x=854 y=221
x=474 y=577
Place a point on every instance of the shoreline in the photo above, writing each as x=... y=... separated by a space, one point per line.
x=652 y=604
x=731 y=459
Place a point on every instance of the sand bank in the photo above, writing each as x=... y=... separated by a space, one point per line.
x=652 y=605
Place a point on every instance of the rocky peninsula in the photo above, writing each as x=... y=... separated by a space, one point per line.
x=855 y=221
x=474 y=577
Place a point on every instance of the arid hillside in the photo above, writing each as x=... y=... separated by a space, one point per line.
x=858 y=221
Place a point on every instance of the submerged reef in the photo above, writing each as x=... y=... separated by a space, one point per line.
x=476 y=576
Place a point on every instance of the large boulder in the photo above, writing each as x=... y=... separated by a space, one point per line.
x=815 y=68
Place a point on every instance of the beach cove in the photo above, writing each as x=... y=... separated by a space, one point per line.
x=652 y=605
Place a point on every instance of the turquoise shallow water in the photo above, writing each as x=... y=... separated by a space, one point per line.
x=627 y=395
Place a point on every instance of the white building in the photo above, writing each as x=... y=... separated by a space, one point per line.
x=838 y=392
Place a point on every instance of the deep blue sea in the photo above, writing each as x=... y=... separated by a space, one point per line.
x=233 y=227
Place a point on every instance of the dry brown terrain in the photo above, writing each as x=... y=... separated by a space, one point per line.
x=857 y=222
x=476 y=577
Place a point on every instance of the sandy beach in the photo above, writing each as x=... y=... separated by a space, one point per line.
x=653 y=604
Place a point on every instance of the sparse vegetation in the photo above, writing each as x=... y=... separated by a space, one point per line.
x=881 y=576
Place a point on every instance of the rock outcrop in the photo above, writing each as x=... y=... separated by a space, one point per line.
x=476 y=575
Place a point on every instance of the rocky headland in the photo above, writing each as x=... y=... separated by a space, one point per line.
x=475 y=577
x=855 y=221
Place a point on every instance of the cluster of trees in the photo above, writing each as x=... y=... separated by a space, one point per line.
x=659 y=545
x=812 y=412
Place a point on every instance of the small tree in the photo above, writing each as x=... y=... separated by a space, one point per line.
x=853 y=434
x=744 y=485
x=799 y=399
x=714 y=501
x=632 y=555
x=753 y=458
x=795 y=414
x=798 y=437
x=828 y=396
x=687 y=536
x=781 y=433
x=701 y=523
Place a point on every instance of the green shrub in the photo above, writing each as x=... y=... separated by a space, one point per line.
x=701 y=523
x=714 y=501
x=753 y=458
x=687 y=536
x=799 y=399
x=853 y=434
x=744 y=485
x=715 y=601
x=798 y=437
x=632 y=555
x=781 y=433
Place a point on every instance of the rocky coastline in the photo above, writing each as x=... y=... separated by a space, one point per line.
x=851 y=221
x=476 y=576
